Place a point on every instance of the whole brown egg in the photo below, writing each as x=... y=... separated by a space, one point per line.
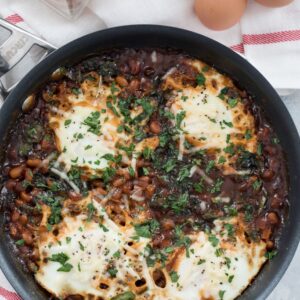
x=274 y=3
x=220 y=14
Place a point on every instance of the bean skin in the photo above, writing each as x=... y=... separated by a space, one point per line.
x=15 y=216
x=273 y=218
x=10 y=184
x=33 y=163
x=13 y=230
x=155 y=127
x=267 y=174
x=122 y=81
x=26 y=197
x=27 y=237
x=23 y=219
x=75 y=196
x=16 y=172
x=118 y=182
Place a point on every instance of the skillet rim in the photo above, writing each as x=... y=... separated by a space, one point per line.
x=79 y=45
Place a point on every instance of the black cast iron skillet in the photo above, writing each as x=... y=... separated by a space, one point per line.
x=226 y=61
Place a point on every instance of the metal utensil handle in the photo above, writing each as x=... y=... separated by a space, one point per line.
x=20 y=52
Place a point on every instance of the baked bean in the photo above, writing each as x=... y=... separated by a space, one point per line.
x=19 y=187
x=127 y=187
x=15 y=216
x=134 y=84
x=118 y=182
x=10 y=184
x=168 y=224
x=34 y=162
x=74 y=196
x=140 y=163
x=273 y=218
x=27 y=237
x=23 y=219
x=35 y=255
x=122 y=81
x=266 y=234
x=243 y=186
x=155 y=127
x=135 y=66
x=25 y=197
x=159 y=278
x=19 y=203
x=270 y=245
x=16 y=172
x=267 y=174
x=270 y=150
x=117 y=194
x=141 y=183
x=46 y=145
x=149 y=71
x=13 y=230
x=149 y=191
x=101 y=191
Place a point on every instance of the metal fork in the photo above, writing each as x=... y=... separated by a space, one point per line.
x=20 y=51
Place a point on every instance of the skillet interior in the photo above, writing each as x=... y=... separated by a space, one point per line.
x=205 y=49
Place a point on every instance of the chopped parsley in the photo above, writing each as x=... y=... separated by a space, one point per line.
x=270 y=254
x=67 y=122
x=221 y=294
x=93 y=122
x=174 y=276
x=232 y=102
x=146 y=229
x=213 y=240
x=62 y=258
x=20 y=242
x=201 y=261
x=200 y=79
x=112 y=271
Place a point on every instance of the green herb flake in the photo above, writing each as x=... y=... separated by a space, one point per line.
x=67 y=122
x=112 y=272
x=81 y=246
x=232 y=102
x=201 y=261
x=270 y=254
x=221 y=160
x=213 y=240
x=248 y=134
x=257 y=184
x=131 y=171
x=125 y=296
x=221 y=294
x=65 y=268
x=105 y=229
x=93 y=122
x=210 y=166
x=259 y=149
x=20 y=242
x=219 y=252
x=200 y=79
x=230 y=278
x=117 y=254
x=174 y=276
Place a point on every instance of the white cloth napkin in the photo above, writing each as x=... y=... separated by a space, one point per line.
x=268 y=38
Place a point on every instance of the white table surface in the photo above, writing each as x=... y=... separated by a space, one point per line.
x=289 y=286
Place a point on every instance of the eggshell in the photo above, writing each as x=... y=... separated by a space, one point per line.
x=220 y=14
x=274 y=3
